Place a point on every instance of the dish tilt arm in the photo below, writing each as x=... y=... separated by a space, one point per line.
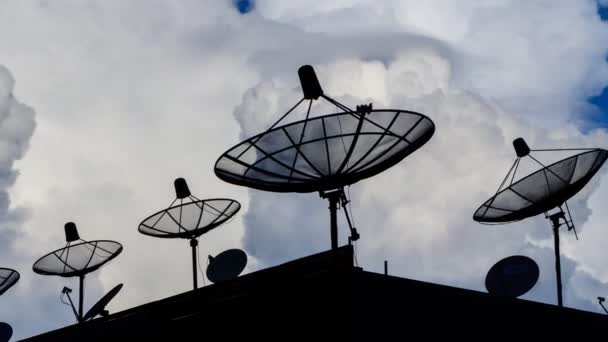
x=66 y=291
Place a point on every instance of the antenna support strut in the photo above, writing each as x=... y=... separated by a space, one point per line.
x=193 y=244
x=334 y=199
x=558 y=269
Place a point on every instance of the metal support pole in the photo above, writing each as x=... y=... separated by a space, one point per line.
x=193 y=244
x=333 y=214
x=81 y=295
x=334 y=199
x=558 y=268
x=603 y=307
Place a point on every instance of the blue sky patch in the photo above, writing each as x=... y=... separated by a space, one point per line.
x=244 y=6
x=601 y=100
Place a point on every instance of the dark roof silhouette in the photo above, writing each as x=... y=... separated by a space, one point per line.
x=324 y=297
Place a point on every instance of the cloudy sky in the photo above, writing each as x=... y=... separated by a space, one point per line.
x=104 y=103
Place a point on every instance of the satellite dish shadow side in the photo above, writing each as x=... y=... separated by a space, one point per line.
x=512 y=277
x=6 y=332
x=226 y=266
x=99 y=307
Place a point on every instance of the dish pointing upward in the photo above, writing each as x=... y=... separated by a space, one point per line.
x=325 y=153
x=542 y=190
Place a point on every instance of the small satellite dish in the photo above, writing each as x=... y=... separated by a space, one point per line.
x=6 y=332
x=226 y=265
x=77 y=259
x=99 y=307
x=189 y=219
x=8 y=278
x=325 y=153
x=512 y=276
x=545 y=190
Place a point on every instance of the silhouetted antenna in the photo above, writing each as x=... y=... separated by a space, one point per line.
x=542 y=191
x=226 y=265
x=325 y=153
x=8 y=278
x=6 y=332
x=100 y=307
x=189 y=219
x=512 y=276
x=76 y=259
x=601 y=301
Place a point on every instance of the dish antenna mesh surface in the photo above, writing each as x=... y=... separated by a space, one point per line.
x=325 y=153
x=8 y=278
x=76 y=259
x=189 y=219
x=542 y=191
x=512 y=276
x=226 y=265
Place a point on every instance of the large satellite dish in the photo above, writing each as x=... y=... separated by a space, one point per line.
x=6 y=332
x=189 y=219
x=77 y=259
x=512 y=276
x=544 y=191
x=226 y=265
x=8 y=278
x=325 y=153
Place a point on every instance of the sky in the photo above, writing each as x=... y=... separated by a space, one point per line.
x=104 y=103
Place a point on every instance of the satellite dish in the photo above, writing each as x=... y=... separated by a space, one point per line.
x=8 y=278
x=542 y=190
x=99 y=307
x=226 y=265
x=76 y=259
x=325 y=153
x=545 y=190
x=6 y=332
x=512 y=276
x=189 y=219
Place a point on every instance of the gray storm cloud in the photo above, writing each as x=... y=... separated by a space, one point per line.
x=16 y=128
x=17 y=123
